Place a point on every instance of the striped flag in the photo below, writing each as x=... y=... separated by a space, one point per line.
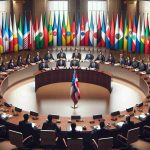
x=138 y=43
x=142 y=37
x=15 y=35
x=6 y=35
x=117 y=33
x=37 y=39
x=126 y=32
x=54 y=31
x=3 y=34
x=59 y=33
x=10 y=36
x=82 y=43
x=121 y=34
x=50 y=31
x=130 y=35
x=63 y=31
x=95 y=32
x=45 y=33
x=78 y=32
x=107 y=33
x=112 y=33
x=91 y=33
x=20 y=35
x=30 y=32
x=1 y=42
x=73 y=32
x=147 y=41
x=41 y=33
x=103 y=32
x=68 y=30
x=99 y=32
x=86 y=31
x=134 y=36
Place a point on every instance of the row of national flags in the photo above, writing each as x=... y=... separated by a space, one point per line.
x=128 y=34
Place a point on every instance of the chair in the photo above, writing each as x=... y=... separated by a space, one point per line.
x=146 y=133
x=75 y=144
x=104 y=143
x=132 y=136
x=48 y=138
x=3 y=132
x=16 y=138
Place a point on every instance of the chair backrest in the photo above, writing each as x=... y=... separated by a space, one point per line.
x=48 y=137
x=133 y=135
x=75 y=144
x=16 y=138
x=105 y=143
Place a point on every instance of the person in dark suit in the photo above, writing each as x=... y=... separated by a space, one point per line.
x=74 y=63
x=148 y=69
x=61 y=54
x=43 y=65
x=111 y=59
x=50 y=125
x=94 y=65
x=19 y=61
x=89 y=56
x=76 y=55
x=100 y=57
x=61 y=63
x=11 y=64
x=3 y=67
x=128 y=61
x=49 y=56
x=28 y=59
x=135 y=63
x=37 y=58
x=122 y=60
x=142 y=66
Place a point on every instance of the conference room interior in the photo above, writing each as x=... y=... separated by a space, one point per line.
x=74 y=99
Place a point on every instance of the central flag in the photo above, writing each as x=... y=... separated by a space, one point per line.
x=50 y=31
x=15 y=35
x=20 y=35
x=86 y=32
x=134 y=35
x=41 y=33
x=103 y=31
x=45 y=33
x=82 y=43
x=117 y=33
x=138 y=43
x=54 y=31
x=75 y=91
x=112 y=33
x=91 y=40
x=126 y=32
x=68 y=32
x=63 y=31
x=142 y=36
x=107 y=33
x=78 y=32
x=10 y=36
x=59 y=33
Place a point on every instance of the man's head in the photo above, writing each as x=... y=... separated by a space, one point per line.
x=26 y=117
x=49 y=117
x=73 y=126
x=128 y=118
x=102 y=124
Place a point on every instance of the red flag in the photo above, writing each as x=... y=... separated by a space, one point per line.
x=82 y=42
x=86 y=32
x=147 y=41
x=134 y=36
x=112 y=32
x=73 y=32
x=30 y=32
x=99 y=44
x=45 y=33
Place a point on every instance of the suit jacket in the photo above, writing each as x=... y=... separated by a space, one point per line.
x=50 y=126
x=147 y=120
x=61 y=63
x=89 y=57
x=94 y=65
x=11 y=65
x=19 y=62
x=3 y=68
x=61 y=55
x=142 y=67
x=134 y=64
x=43 y=65
x=148 y=70
x=100 y=58
x=74 y=63
x=28 y=61
x=128 y=62
x=49 y=56
x=122 y=61
x=37 y=58
x=111 y=60
x=74 y=134
x=76 y=55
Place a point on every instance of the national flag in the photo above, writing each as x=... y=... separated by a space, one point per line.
x=10 y=36
x=1 y=42
x=130 y=35
x=103 y=32
x=20 y=35
x=73 y=32
x=15 y=35
x=99 y=38
x=126 y=32
x=147 y=40
x=54 y=31
x=37 y=39
x=138 y=39
x=91 y=33
x=3 y=34
x=86 y=31
x=82 y=43
x=78 y=32
x=26 y=34
x=134 y=36
x=75 y=91
x=117 y=33
x=6 y=35
x=142 y=37
x=59 y=33
x=30 y=32
x=63 y=31
x=95 y=32
x=45 y=32
x=107 y=33
x=68 y=32
x=50 y=31
x=41 y=33
x=121 y=34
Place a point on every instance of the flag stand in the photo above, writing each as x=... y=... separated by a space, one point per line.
x=74 y=106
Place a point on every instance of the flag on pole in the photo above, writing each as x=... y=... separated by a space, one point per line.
x=95 y=32
x=45 y=32
x=147 y=41
x=15 y=35
x=1 y=42
x=86 y=31
x=63 y=31
x=26 y=34
x=30 y=32
x=50 y=31
x=20 y=35
x=107 y=33
x=103 y=31
x=130 y=35
x=142 y=37
x=121 y=34
x=75 y=91
x=3 y=34
x=117 y=33
x=10 y=36
x=138 y=43
x=54 y=31
x=78 y=32
x=68 y=34
x=126 y=32
x=41 y=33
x=73 y=32
x=112 y=33
x=6 y=35
x=37 y=33
x=82 y=43
x=91 y=33
x=99 y=32
x=134 y=36
x=59 y=33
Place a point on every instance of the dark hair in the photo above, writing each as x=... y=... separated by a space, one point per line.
x=128 y=118
x=73 y=126
x=49 y=117
x=26 y=117
x=102 y=124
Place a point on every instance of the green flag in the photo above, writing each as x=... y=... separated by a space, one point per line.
x=50 y=32
x=41 y=33
x=36 y=34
